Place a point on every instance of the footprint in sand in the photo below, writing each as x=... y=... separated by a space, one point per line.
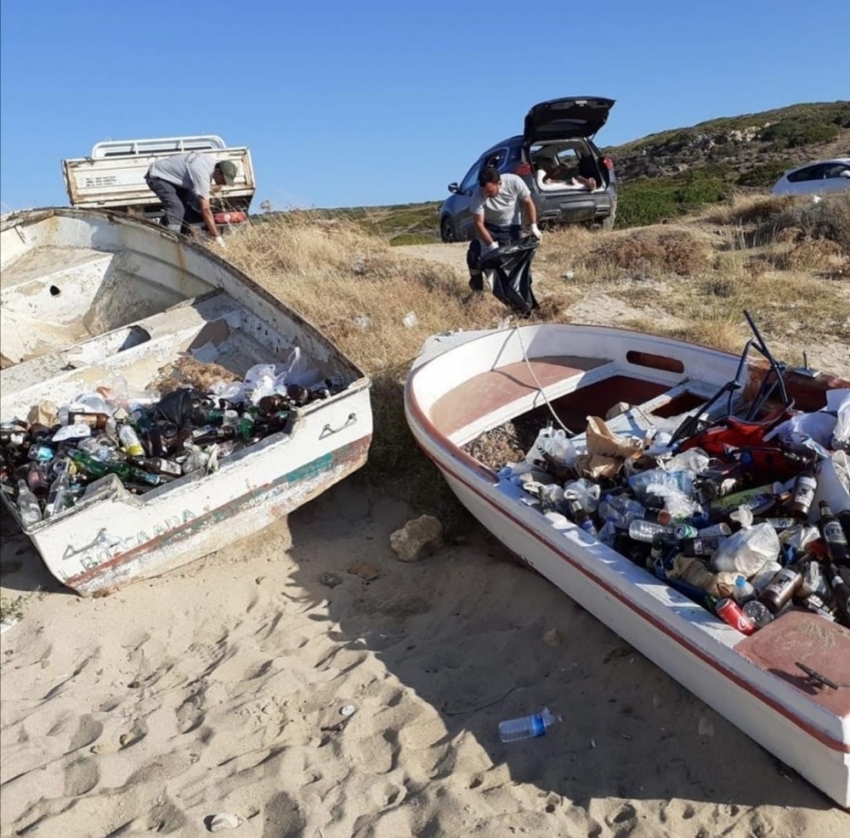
x=80 y=777
x=282 y=818
x=88 y=732
x=190 y=714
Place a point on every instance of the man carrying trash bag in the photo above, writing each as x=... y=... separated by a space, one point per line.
x=497 y=206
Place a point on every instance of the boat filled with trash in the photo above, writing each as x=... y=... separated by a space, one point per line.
x=156 y=404
x=736 y=530
x=695 y=501
x=144 y=438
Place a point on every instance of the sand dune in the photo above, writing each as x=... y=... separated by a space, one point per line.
x=219 y=690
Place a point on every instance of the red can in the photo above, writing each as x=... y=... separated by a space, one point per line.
x=730 y=612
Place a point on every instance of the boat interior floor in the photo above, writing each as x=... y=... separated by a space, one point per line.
x=213 y=327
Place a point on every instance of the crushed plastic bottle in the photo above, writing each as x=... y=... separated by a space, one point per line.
x=528 y=727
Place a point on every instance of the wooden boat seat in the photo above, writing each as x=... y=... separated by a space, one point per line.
x=490 y=391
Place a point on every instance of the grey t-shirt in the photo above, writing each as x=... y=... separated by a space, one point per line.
x=504 y=207
x=193 y=170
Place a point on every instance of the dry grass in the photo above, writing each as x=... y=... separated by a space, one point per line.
x=358 y=290
x=652 y=251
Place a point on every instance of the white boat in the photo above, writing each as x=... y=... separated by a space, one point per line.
x=88 y=294
x=465 y=384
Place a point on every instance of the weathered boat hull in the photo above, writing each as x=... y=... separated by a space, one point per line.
x=145 y=299
x=745 y=679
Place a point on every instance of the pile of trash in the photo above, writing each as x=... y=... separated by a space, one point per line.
x=736 y=516
x=145 y=438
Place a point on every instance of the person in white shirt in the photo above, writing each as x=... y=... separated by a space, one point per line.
x=497 y=207
x=182 y=184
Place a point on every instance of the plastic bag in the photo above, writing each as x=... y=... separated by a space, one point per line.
x=841 y=432
x=296 y=370
x=176 y=407
x=232 y=391
x=749 y=549
x=677 y=503
x=694 y=459
x=585 y=492
x=554 y=443
x=93 y=403
x=681 y=479
x=119 y=395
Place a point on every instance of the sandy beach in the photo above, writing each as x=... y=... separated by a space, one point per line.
x=218 y=690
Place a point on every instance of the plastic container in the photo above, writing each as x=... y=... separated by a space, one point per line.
x=647 y=530
x=527 y=727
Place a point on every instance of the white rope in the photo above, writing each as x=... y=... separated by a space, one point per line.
x=539 y=385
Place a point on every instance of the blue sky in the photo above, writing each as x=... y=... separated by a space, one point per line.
x=381 y=101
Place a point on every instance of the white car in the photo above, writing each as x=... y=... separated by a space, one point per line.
x=823 y=176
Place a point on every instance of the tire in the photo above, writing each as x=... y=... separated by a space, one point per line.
x=608 y=223
x=447 y=231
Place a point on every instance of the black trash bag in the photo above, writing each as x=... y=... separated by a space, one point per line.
x=511 y=268
x=177 y=407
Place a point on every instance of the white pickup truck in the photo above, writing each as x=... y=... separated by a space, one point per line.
x=113 y=176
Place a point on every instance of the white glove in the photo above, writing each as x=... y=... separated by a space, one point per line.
x=220 y=242
x=492 y=246
x=535 y=231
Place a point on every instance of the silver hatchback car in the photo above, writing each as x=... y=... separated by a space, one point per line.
x=822 y=176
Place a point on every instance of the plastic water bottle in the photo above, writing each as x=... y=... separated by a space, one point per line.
x=758 y=613
x=527 y=727
x=647 y=530
x=743 y=591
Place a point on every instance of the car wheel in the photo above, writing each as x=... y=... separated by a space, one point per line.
x=608 y=223
x=447 y=231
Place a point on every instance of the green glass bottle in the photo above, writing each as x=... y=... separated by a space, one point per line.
x=100 y=468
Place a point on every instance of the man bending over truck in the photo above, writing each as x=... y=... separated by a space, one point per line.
x=182 y=184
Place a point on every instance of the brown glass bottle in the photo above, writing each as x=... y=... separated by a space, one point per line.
x=841 y=592
x=37 y=481
x=93 y=420
x=272 y=404
x=780 y=589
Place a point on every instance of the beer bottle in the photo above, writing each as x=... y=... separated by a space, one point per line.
x=130 y=442
x=156 y=465
x=702 y=546
x=804 y=493
x=96 y=421
x=298 y=395
x=844 y=520
x=28 y=505
x=832 y=533
x=781 y=589
x=37 y=481
x=580 y=516
x=39 y=432
x=274 y=403
x=841 y=592
x=98 y=468
x=59 y=495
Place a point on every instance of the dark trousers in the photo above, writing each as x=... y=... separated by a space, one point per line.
x=502 y=234
x=178 y=204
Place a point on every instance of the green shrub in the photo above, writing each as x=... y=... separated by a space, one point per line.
x=766 y=174
x=652 y=200
x=797 y=132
